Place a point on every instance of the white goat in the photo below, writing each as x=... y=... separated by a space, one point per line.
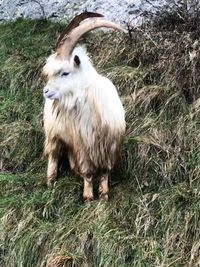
x=83 y=113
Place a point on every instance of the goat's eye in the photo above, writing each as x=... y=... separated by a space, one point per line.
x=64 y=74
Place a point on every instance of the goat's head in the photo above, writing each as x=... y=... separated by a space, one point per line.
x=67 y=67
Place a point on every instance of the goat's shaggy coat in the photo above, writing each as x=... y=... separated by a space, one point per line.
x=88 y=119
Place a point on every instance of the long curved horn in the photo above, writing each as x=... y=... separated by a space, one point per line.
x=72 y=38
x=73 y=24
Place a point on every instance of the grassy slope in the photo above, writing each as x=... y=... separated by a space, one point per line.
x=153 y=215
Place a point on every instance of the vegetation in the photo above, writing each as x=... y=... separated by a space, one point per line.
x=153 y=215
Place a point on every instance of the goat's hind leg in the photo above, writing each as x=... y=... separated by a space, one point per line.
x=52 y=169
x=103 y=187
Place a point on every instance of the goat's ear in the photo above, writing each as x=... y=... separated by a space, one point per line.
x=77 y=61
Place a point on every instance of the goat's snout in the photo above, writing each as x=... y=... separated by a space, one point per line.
x=51 y=94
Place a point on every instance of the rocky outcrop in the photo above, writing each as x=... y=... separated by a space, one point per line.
x=123 y=10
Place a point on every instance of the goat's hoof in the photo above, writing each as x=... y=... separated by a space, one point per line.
x=88 y=199
x=51 y=183
x=103 y=197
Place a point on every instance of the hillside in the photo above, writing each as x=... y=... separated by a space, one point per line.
x=153 y=215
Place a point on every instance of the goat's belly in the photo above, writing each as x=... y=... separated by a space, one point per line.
x=95 y=154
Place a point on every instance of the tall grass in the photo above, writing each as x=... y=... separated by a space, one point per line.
x=153 y=215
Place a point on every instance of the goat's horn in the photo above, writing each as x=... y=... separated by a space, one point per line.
x=72 y=38
x=73 y=24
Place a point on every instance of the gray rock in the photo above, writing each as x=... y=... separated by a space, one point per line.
x=123 y=10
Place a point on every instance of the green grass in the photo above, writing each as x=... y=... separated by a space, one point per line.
x=153 y=215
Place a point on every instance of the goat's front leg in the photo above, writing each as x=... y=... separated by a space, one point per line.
x=88 y=189
x=103 y=187
x=52 y=170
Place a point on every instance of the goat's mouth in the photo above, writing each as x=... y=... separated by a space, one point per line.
x=51 y=95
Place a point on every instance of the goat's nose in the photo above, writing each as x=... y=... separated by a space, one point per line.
x=45 y=90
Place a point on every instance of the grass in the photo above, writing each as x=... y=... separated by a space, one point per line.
x=153 y=215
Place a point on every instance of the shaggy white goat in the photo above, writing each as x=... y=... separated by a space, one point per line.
x=83 y=114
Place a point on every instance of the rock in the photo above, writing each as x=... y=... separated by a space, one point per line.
x=123 y=10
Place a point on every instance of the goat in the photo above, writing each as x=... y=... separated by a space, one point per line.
x=83 y=114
